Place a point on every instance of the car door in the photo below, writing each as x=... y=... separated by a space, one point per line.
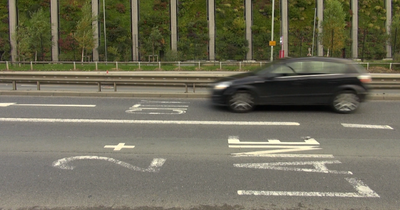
x=281 y=85
x=320 y=79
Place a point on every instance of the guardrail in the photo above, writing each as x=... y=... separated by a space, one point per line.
x=184 y=79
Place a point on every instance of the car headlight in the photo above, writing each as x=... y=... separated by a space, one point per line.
x=222 y=85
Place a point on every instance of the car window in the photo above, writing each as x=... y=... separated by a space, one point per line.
x=318 y=67
x=283 y=70
x=276 y=69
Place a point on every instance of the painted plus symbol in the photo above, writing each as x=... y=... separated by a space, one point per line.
x=119 y=146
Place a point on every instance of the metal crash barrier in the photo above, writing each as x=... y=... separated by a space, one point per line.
x=192 y=79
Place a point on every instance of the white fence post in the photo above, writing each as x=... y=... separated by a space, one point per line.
x=220 y=65
x=367 y=66
x=7 y=67
x=139 y=64
x=96 y=66
x=390 y=66
x=31 y=66
x=199 y=64
x=159 y=65
x=74 y=65
x=116 y=65
x=240 y=65
x=179 y=65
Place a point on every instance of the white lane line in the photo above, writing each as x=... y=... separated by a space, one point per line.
x=168 y=106
x=366 y=126
x=177 y=122
x=47 y=105
x=165 y=102
x=363 y=191
x=57 y=105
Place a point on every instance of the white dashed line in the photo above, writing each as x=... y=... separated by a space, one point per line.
x=367 y=126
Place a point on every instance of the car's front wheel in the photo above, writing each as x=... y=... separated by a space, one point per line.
x=241 y=101
x=346 y=102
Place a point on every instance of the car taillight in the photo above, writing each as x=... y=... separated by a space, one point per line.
x=365 y=78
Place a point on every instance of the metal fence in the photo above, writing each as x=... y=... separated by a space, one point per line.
x=375 y=67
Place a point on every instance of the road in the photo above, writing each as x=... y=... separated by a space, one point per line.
x=124 y=153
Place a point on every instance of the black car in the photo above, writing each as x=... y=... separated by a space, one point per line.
x=339 y=83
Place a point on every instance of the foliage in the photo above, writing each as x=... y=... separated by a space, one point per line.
x=39 y=30
x=301 y=26
x=84 y=30
x=395 y=35
x=192 y=30
x=262 y=15
x=372 y=31
x=154 y=13
x=23 y=42
x=155 y=41
x=33 y=35
x=118 y=31
x=333 y=25
x=231 y=43
x=70 y=13
x=4 y=31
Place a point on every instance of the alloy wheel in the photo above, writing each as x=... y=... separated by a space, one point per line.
x=241 y=101
x=346 y=102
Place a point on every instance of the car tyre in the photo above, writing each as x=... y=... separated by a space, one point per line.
x=241 y=102
x=345 y=102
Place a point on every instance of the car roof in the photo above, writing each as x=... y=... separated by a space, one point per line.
x=326 y=59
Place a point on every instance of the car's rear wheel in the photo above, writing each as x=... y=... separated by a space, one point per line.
x=241 y=101
x=346 y=102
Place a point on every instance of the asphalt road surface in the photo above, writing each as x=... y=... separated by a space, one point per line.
x=124 y=153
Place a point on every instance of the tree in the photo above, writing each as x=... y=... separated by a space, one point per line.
x=155 y=41
x=39 y=29
x=84 y=30
x=394 y=35
x=333 y=26
x=22 y=37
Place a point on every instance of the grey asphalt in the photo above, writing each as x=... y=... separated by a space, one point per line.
x=199 y=171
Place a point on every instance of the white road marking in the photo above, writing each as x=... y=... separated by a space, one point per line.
x=253 y=154
x=162 y=106
x=320 y=166
x=363 y=191
x=165 y=102
x=177 y=122
x=276 y=149
x=158 y=109
x=153 y=167
x=47 y=105
x=119 y=146
x=235 y=140
x=6 y=104
x=366 y=126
